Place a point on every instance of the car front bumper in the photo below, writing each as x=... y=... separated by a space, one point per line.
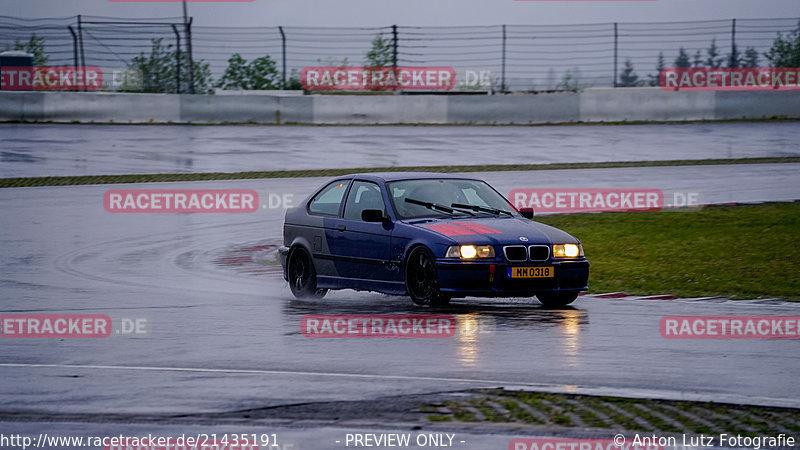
x=475 y=278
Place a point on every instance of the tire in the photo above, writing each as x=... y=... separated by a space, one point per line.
x=422 y=279
x=302 y=275
x=556 y=300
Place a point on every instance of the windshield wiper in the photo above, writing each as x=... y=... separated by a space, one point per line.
x=432 y=206
x=494 y=211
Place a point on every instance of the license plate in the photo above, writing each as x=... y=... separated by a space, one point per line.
x=531 y=272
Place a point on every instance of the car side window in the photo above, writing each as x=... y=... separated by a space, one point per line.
x=328 y=200
x=363 y=195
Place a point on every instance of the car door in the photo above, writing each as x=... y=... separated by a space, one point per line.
x=324 y=210
x=361 y=249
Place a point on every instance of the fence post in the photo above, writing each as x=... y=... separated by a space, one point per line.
x=503 y=63
x=394 y=46
x=190 y=60
x=616 y=41
x=394 y=55
x=177 y=60
x=74 y=46
x=187 y=29
x=80 y=42
x=733 y=63
x=283 y=55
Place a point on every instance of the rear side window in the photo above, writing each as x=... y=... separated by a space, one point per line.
x=328 y=200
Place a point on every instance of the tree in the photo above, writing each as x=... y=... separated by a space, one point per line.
x=159 y=70
x=682 y=61
x=34 y=46
x=698 y=59
x=785 y=51
x=660 y=64
x=263 y=73
x=750 y=59
x=628 y=78
x=333 y=62
x=714 y=60
x=235 y=76
x=568 y=82
x=381 y=54
x=550 y=81
x=260 y=74
x=293 y=83
x=202 y=76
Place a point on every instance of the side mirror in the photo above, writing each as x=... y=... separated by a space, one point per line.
x=526 y=212
x=373 y=215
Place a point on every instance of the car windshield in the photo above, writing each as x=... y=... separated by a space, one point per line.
x=446 y=197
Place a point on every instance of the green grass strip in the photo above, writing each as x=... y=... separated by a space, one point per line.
x=217 y=176
x=739 y=252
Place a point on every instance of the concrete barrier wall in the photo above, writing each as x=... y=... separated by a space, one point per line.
x=756 y=105
x=650 y=104
x=380 y=109
x=514 y=109
x=591 y=105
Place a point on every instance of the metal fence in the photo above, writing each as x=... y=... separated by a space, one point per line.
x=523 y=57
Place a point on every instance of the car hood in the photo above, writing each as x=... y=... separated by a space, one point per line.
x=493 y=230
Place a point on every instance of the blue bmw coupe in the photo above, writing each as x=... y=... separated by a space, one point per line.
x=430 y=236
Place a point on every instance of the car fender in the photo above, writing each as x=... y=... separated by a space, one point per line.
x=302 y=242
x=420 y=242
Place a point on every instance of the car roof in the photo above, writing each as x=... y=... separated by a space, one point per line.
x=396 y=176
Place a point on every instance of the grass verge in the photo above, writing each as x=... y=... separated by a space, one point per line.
x=216 y=176
x=742 y=251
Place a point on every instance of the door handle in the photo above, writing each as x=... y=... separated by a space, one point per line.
x=341 y=227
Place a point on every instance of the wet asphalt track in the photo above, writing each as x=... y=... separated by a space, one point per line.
x=224 y=331
x=59 y=150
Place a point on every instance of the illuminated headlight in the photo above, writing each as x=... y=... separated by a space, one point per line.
x=567 y=250
x=470 y=251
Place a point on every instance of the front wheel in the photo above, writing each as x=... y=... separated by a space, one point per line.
x=302 y=276
x=560 y=299
x=422 y=279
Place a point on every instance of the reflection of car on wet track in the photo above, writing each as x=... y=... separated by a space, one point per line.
x=430 y=236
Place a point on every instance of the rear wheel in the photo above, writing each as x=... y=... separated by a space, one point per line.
x=560 y=299
x=302 y=276
x=422 y=279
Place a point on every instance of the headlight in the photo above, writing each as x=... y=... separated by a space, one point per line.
x=470 y=251
x=567 y=250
